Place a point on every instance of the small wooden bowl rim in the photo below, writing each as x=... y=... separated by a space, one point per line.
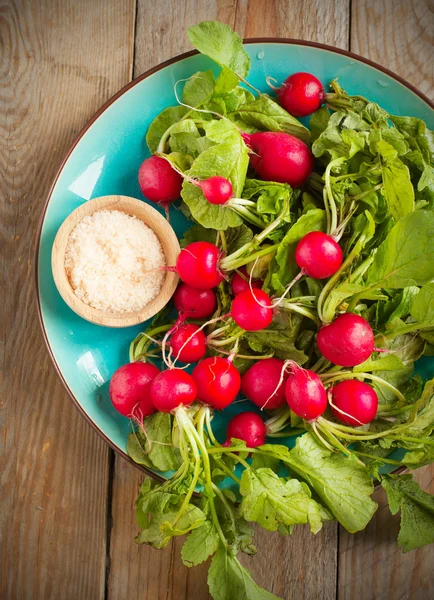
x=154 y=220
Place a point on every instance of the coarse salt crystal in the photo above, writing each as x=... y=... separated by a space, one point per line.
x=108 y=258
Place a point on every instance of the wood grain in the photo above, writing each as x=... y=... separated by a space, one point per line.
x=161 y=27
x=371 y=566
x=398 y=35
x=155 y=221
x=59 y=61
x=313 y=20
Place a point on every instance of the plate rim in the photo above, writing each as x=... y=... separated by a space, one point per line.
x=82 y=132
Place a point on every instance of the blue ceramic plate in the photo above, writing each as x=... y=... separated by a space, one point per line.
x=105 y=159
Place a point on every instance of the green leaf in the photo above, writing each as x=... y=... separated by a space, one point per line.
x=342 y=483
x=398 y=188
x=158 y=515
x=419 y=458
x=197 y=233
x=185 y=138
x=236 y=529
x=230 y=160
x=279 y=340
x=423 y=423
x=390 y=362
x=229 y=580
x=234 y=99
x=167 y=118
x=159 y=450
x=406 y=257
x=318 y=122
x=200 y=545
x=283 y=267
x=330 y=140
x=422 y=308
x=270 y=197
x=260 y=461
x=223 y=131
x=399 y=306
x=136 y=451
x=417 y=511
x=198 y=89
x=237 y=237
x=426 y=179
x=270 y=500
x=265 y=114
x=225 y=47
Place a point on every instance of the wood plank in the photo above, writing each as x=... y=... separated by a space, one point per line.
x=371 y=566
x=60 y=60
x=399 y=36
x=161 y=27
x=142 y=572
x=313 y=20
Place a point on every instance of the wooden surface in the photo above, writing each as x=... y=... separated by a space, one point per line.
x=155 y=221
x=67 y=509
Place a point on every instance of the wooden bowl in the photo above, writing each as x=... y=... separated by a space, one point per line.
x=153 y=219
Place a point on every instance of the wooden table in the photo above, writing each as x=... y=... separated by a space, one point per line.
x=67 y=518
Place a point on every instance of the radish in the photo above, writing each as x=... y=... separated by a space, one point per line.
x=301 y=94
x=249 y=427
x=194 y=303
x=158 y=181
x=353 y=402
x=172 y=388
x=197 y=265
x=279 y=157
x=216 y=189
x=347 y=341
x=130 y=389
x=252 y=310
x=305 y=393
x=217 y=380
x=240 y=282
x=318 y=255
x=188 y=343
x=264 y=383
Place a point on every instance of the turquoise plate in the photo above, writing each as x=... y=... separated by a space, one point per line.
x=104 y=160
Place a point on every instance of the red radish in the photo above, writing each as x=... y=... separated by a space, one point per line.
x=188 y=343
x=241 y=284
x=301 y=94
x=197 y=265
x=216 y=189
x=305 y=394
x=260 y=383
x=318 y=255
x=252 y=310
x=347 y=341
x=353 y=402
x=218 y=382
x=249 y=427
x=172 y=388
x=130 y=389
x=194 y=303
x=158 y=181
x=279 y=157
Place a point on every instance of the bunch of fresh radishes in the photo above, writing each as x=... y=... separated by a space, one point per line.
x=138 y=389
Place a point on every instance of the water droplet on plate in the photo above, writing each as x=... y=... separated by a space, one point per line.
x=260 y=55
x=382 y=83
